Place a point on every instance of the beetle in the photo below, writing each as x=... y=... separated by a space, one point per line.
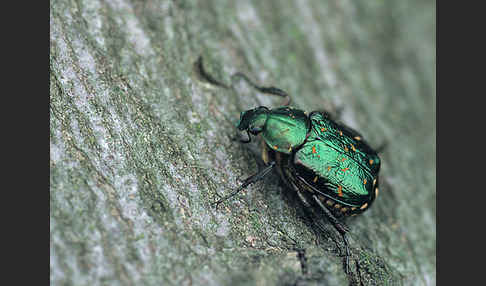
x=328 y=164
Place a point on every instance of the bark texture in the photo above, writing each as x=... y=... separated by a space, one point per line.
x=140 y=147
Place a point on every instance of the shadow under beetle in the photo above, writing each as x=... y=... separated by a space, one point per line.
x=329 y=165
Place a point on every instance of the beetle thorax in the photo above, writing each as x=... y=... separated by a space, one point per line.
x=285 y=129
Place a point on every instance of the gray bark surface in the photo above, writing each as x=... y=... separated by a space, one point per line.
x=140 y=146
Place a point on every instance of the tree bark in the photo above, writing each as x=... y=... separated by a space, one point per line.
x=140 y=147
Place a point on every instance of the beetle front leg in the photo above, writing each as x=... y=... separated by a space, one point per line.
x=248 y=181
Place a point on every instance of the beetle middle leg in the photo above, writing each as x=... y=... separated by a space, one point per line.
x=248 y=181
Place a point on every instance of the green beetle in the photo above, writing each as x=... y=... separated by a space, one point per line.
x=329 y=165
x=314 y=153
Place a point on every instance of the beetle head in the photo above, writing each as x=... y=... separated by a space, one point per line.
x=253 y=120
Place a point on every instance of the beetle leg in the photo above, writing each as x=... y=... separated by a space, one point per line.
x=242 y=139
x=248 y=181
x=270 y=90
x=340 y=227
x=205 y=75
x=265 y=156
x=246 y=140
x=209 y=78
x=302 y=259
x=304 y=201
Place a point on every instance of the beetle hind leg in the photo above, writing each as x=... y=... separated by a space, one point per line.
x=340 y=227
